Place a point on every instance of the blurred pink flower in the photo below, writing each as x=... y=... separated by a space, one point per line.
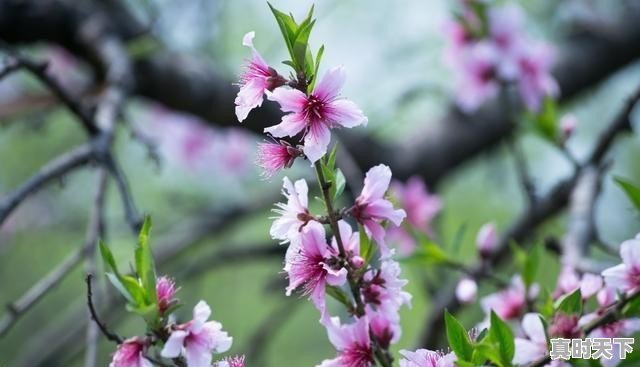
x=476 y=73
x=197 y=339
x=507 y=34
x=466 y=290
x=310 y=264
x=257 y=78
x=419 y=205
x=371 y=207
x=315 y=114
x=625 y=277
x=487 y=239
x=534 y=75
x=352 y=343
x=292 y=215
x=510 y=302
x=427 y=358
x=569 y=280
x=130 y=354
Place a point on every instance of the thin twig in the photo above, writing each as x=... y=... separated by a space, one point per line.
x=94 y=315
x=56 y=168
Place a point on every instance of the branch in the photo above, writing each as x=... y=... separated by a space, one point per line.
x=94 y=315
x=611 y=315
x=55 y=169
x=546 y=207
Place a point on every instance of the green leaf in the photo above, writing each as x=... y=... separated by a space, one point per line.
x=530 y=266
x=288 y=27
x=107 y=257
x=632 y=308
x=428 y=253
x=145 y=267
x=632 y=191
x=570 y=304
x=340 y=183
x=501 y=334
x=367 y=248
x=337 y=294
x=458 y=338
x=120 y=287
x=545 y=303
x=301 y=51
x=546 y=120
x=314 y=77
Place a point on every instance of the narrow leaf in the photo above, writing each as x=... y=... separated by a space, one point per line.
x=632 y=191
x=458 y=338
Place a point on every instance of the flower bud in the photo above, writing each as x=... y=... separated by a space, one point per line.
x=487 y=239
x=466 y=290
x=357 y=262
x=568 y=124
x=165 y=290
x=273 y=157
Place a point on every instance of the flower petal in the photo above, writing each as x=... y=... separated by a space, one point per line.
x=345 y=113
x=316 y=142
x=173 y=346
x=329 y=86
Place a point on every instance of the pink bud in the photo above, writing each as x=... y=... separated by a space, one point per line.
x=466 y=290
x=273 y=157
x=357 y=262
x=165 y=290
x=568 y=124
x=487 y=239
x=130 y=354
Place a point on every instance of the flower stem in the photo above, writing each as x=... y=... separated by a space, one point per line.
x=325 y=187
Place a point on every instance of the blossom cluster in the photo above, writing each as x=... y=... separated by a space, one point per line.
x=190 y=344
x=488 y=48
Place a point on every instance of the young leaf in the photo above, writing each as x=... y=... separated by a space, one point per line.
x=117 y=284
x=340 y=183
x=367 y=248
x=632 y=191
x=501 y=334
x=107 y=257
x=458 y=338
x=428 y=253
x=337 y=294
x=530 y=267
x=145 y=267
x=570 y=304
x=288 y=27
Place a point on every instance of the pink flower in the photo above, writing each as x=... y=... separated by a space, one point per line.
x=384 y=291
x=466 y=290
x=351 y=342
x=130 y=354
x=457 y=40
x=508 y=303
x=487 y=239
x=165 y=289
x=625 y=277
x=257 y=78
x=371 y=207
x=569 y=280
x=534 y=346
x=534 y=76
x=197 y=339
x=273 y=157
x=506 y=33
x=476 y=73
x=420 y=206
x=294 y=215
x=565 y=326
x=383 y=330
x=237 y=361
x=315 y=114
x=427 y=358
x=311 y=263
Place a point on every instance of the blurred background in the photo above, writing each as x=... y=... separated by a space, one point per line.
x=198 y=181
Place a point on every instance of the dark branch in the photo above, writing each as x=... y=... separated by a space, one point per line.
x=94 y=315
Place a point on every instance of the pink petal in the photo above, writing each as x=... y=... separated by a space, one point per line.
x=630 y=253
x=290 y=100
x=201 y=313
x=345 y=113
x=383 y=209
x=173 y=346
x=198 y=355
x=249 y=97
x=329 y=86
x=534 y=328
x=290 y=125
x=376 y=183
x=218 y=340
x=316 y=142
x=527 y=351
